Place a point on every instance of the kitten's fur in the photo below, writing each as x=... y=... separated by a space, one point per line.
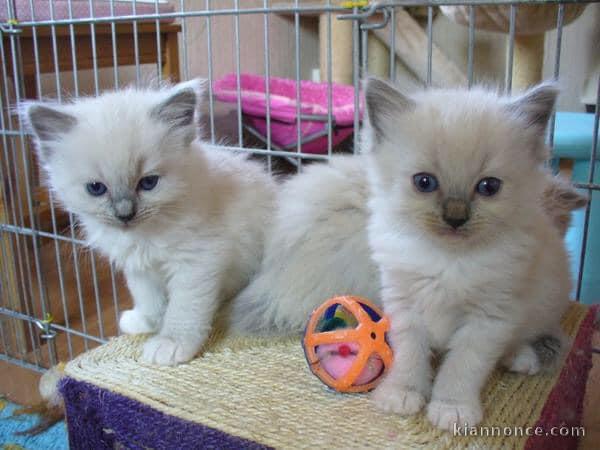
x=486 y=290
x=326 y=233
x=473 y=295
x=195 y=239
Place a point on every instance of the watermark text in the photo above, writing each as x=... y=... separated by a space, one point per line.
x=467 y=430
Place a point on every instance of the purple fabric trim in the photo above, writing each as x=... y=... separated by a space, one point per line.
x=99 y=419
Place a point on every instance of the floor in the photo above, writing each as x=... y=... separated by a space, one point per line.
x=13 y=422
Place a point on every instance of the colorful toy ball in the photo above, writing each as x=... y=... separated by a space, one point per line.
x=345 y=344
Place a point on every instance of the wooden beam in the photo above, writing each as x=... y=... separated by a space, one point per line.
x=411 y=48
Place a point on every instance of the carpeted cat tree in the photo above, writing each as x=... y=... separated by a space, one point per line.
x=259 y=393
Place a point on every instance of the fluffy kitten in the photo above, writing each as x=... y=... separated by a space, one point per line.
x=470 y=263
x=318 y=247
x=504 y=265
x=185 y=225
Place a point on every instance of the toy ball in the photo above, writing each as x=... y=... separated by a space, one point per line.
x=345 y=344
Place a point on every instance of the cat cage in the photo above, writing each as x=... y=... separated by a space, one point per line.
x=260 y=58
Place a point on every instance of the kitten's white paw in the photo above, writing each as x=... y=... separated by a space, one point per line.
x=391 y=398
x=444 y=414
x=525 y=361
x=134 y=322
x=168 y=351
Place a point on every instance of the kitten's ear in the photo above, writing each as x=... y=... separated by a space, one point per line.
x=384 y=102
x=198 y=85
x=560 y=198
x=535 y=106
x=564 y=195
x=179 y=109
x=47 y=123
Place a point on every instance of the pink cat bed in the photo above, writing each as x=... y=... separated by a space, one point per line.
x=313 y=109
x=80 y=9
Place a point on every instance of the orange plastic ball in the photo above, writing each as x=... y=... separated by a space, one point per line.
x=345 y=344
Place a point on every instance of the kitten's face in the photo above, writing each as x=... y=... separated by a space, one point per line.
x=113 y=160
x=455 y=165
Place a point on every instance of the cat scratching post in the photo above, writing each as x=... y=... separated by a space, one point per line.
x=528 y=60
x=233 y=397
x=379 y=57
x=341 y=42
x=531 y=24
x=341 y=49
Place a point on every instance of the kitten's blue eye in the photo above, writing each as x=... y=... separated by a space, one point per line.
x=96 y=188
x=148 y=183
x=488 y=186
x=425 y=182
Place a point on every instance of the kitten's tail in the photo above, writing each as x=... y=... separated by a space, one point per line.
x=550 y=349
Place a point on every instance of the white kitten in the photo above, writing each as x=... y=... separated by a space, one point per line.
x=318 y=246
x=470 y=263
x=185 y=225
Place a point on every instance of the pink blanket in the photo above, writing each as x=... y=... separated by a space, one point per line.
x=283 y=109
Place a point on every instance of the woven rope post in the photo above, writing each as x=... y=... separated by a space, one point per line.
x=341 y=49
x=379 y=57
x=528 y=61
x=262 y=391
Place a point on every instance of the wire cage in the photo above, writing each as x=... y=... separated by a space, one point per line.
x=58 y=298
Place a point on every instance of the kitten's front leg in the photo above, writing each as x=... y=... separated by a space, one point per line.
x=474 y=351
x=193 y=300
x=408 y=384
x=149 y=299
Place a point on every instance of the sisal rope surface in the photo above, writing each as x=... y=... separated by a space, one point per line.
x=262 y=390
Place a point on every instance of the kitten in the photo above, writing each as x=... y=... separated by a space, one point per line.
x=186 y=225
x=317 y=245
x=471 y=265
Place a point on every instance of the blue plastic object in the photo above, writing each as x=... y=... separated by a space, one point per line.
x=573 y=136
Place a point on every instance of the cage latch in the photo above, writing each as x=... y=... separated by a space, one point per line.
x=45 y=326
x=10 y=27
x=367 y=11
